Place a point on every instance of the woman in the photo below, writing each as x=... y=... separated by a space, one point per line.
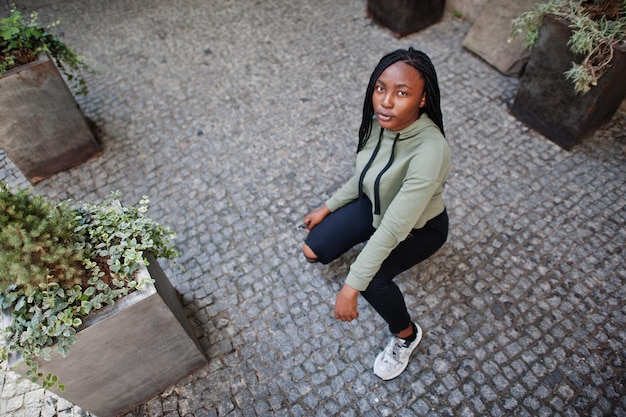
x=393 y=201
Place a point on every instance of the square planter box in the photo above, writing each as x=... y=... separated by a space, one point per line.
x=42 y=129
x=129 y=352
x=547 y=102
x=404 y=17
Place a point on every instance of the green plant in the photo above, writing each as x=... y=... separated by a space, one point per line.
x=597 y=26
x=61 y=262
x=22 y=40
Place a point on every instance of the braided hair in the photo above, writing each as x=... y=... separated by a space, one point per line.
x=418 y=60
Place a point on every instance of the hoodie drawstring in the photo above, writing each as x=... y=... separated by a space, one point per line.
x=377 y=182
x=367 y=167
x=369 y=163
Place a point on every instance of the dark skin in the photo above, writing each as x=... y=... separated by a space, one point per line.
x=398 y=99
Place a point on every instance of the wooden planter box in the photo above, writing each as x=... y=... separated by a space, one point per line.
x=42 y=129
x=547 y=102
x=128 y=353
x=403 y=17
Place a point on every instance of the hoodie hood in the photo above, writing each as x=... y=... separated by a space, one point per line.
x=412 y=130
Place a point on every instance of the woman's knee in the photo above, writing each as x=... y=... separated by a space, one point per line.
x=384 y=289
x=309 y=254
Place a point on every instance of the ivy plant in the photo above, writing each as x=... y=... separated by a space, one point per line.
x=22 y=39
x=61 y=262
x=597 y=26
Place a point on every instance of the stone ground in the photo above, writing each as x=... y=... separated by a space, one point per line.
x=238 y=117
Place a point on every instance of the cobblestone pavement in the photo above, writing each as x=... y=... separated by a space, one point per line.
x=237 y=117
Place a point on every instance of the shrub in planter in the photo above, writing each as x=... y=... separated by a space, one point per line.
x=21 y=41
x=574 y=80
x=597 y=27
x=62 y=262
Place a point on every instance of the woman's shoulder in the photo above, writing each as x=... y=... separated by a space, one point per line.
x=425 y=122
x=428 y=141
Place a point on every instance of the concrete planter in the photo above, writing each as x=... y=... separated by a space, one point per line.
x=128 y=353
x=547 y=102
x=42 y=129
x=403 y=17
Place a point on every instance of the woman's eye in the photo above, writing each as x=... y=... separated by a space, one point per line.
x=402 y=93
x=379 y=88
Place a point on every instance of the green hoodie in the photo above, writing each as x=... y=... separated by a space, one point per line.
x=409 y=193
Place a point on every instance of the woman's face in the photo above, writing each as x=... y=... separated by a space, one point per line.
x=398 y=96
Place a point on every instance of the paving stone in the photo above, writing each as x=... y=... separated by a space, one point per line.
x=227 y=114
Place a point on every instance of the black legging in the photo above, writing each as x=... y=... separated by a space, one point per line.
x=352 y=224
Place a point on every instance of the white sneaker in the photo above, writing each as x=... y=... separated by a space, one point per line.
x=392 y=361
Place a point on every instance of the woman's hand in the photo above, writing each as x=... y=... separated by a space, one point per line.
x=316 y=216
x=345 y=304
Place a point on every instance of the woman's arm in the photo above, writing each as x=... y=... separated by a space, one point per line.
x=395 y=226
x=346 y=304
x=426 y=174
x=347 y=193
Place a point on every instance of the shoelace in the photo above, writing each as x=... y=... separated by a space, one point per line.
x=396 y=342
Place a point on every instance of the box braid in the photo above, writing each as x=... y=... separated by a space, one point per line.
x=423 y=64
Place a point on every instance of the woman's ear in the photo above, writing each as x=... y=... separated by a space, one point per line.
x=423 y=100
